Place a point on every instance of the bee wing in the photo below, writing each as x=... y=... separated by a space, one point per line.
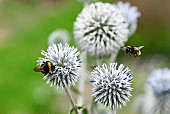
x=140 y=47
x=139 y=52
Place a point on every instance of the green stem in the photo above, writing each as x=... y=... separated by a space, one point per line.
x=71 y=99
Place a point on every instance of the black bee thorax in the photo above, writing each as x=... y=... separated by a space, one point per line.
x=45 y=68
x=130 y=49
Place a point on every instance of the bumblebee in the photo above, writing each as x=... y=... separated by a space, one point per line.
x=45 y=68
x=133 y=50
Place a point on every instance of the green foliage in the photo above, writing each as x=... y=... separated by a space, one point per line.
x=82 y=108
x=84 y=111
x=22 y=90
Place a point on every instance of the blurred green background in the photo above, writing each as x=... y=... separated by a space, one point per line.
x=24 y=28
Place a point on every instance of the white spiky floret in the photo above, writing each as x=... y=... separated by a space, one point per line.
x=101 y=29
x=131 y=14
x=58 y=36
x=112 y=87
x=66 y=62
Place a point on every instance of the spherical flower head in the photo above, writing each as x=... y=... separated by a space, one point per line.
x=131 y=14
x=58 y=36
x=112 y=87
x=160 y=81
x=101 y=29
x=66 y=62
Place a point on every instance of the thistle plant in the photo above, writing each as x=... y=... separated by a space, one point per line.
x=102 y=27
x=130 y=13
x=112 y=87
x=66 y=64
x=159 y=82
x=58 y=36
x=100 y=30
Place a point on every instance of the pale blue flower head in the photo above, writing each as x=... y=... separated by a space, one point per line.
x=112 y=87
x=66 y=62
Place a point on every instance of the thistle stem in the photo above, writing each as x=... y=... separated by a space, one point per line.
x=113 y=57
x=92 y=108
x=71 y=99
x=114 y=111
x=98 y=61
x=80 y=100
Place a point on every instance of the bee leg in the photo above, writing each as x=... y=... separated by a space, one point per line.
x=136 y=55
x=129 y=55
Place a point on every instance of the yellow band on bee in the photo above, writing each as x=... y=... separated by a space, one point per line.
x=129 y=46
x=49 y=66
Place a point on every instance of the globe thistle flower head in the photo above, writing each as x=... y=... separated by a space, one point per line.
x=112 y=87
x=102 y=27
x=58 y=36
x=131 y=14
x=66 y=62
x=159 y=82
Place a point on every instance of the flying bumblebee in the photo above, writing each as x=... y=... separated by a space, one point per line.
x=45 y=68
x=133 y=50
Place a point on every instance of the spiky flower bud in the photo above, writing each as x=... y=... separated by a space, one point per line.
x=112 y=87
x=65 y=60
x=101 y=29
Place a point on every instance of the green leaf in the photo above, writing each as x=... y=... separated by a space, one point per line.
x=84 y=111
x=79 y=107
